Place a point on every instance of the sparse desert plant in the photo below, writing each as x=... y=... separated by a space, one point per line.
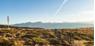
x=89 y=43
x=39 y=40
x=18 y=43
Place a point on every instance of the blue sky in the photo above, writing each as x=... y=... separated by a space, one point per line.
x=46 y=10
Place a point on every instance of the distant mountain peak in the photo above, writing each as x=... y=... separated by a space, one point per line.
x=38 y=22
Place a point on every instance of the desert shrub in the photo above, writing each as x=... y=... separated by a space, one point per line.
x=54 y=41
x=5 y=42
x=18 y=42
x=39 y=40
x=89 y=43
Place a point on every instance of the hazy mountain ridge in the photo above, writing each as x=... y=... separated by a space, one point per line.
x=54 y=25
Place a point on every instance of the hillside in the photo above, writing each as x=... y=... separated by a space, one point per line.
x=18 y=36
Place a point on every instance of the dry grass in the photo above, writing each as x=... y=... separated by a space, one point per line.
x=57 y=37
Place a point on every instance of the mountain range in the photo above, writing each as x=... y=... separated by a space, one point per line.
x=54 y=25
